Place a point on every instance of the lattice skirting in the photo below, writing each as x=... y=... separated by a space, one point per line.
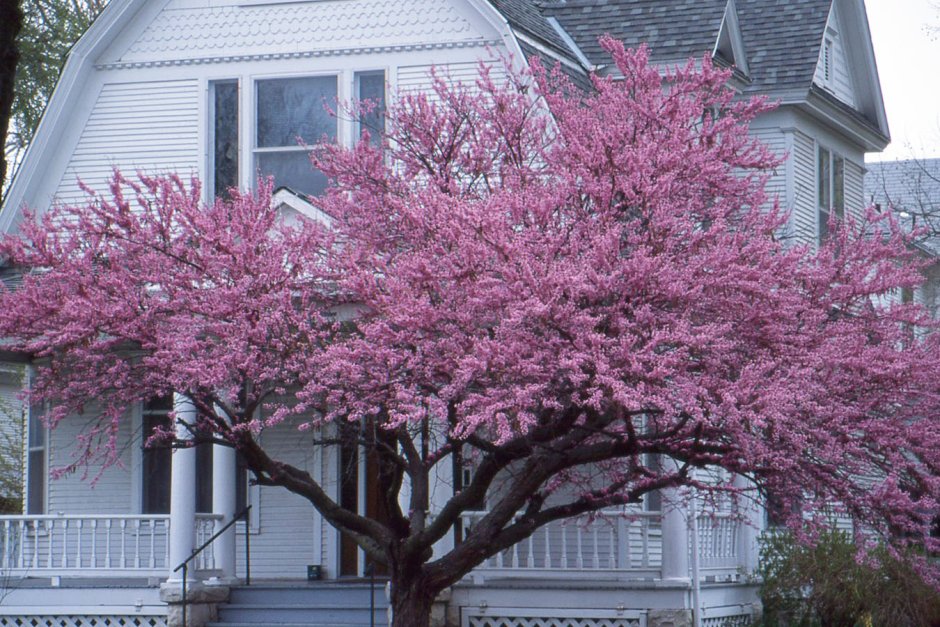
x=519 y=621
x=742 y=620
x=523 y=617
x=136 y=620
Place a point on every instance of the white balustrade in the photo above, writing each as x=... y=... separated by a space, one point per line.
x=90 y=545
x=629 y=545
x=606 y=541
x=718 y=541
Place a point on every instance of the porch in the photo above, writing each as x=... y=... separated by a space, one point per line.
x=607 y=546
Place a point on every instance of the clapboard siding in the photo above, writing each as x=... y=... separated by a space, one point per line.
x=284 y=542
x=855 y=200
x=804 y=187
x=776 y=141
x=151 y=126
x=418 y=77
x=91 y=490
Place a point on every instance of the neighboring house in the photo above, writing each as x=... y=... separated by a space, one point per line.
x=200 y=85
x=910 y=188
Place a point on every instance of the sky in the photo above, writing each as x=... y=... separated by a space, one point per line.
x=908 y=57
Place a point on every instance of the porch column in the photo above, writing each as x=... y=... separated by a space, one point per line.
x=675 y=531
x=182 y=492
x=751 y=525
x=223 y=502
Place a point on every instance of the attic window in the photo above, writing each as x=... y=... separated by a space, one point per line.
x=292 y=115
x=827 y=60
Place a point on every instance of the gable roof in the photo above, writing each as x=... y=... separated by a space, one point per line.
x=783 y=38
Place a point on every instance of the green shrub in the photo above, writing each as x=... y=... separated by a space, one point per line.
x=825 y=586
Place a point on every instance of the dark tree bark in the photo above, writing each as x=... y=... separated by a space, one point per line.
x=11 y=21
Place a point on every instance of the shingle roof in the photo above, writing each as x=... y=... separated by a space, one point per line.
x=781 y=37
x=579 y=78
x=782 y=40
x=673 y=30
x=910 y=185
x=526 y=16
x=912 y=189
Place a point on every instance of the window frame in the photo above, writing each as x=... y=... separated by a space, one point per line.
x=254 y=150
x=30 y=507
x=829 y=190
x=211 y=130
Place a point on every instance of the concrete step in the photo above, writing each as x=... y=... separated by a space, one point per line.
x=302 y=604
x=354 y=594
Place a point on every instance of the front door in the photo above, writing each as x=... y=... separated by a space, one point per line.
x=359 y=491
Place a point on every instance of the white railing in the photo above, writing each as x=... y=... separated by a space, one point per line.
x=92 y=544
x=606 y=541
x=629 y=544
x=718 y=541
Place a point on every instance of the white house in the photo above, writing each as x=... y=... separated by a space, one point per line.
x=200 y=86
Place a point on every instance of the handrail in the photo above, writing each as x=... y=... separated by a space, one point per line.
x=184 y=566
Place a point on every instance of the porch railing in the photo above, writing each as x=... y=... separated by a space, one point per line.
x=608 y=541
x=628 y=547
x=91 y=545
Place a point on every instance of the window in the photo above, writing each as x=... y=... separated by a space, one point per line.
x=291 y=114
x=827 y=53
x=830 y=184
x=654 y=498
x=223 y=111
x=370 y=87
x=36 y=462
x=157 y=463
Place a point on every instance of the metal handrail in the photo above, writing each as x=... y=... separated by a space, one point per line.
x=184 y=566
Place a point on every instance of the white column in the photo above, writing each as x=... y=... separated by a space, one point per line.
x=182 y=491
x=751 y=526
x=675 y=528
x=223 y=502
x=675 y=536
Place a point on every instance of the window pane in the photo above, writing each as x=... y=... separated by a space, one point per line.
x=37 y=430
x=156 y=467
x=294 y=109
x=292 y=169
x=204 y=478
x=838 y=187
x=225 y=137
x=370 y=86
x=36 y=481
x=825 y=191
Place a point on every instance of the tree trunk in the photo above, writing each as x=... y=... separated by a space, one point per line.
x=411 y=601
x=11 y=20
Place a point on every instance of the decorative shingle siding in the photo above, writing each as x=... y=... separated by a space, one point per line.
x=186 y=31
x=152 y=126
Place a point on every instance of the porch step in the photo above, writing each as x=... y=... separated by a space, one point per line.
x=310 y=605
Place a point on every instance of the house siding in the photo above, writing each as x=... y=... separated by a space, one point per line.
x=284 y=542
x=91 y=490
x=804 y=188
x=151 y=127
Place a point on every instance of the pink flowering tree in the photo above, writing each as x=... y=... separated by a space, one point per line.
x=550 y=287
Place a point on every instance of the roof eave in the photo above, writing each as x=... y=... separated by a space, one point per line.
x=863 y=131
